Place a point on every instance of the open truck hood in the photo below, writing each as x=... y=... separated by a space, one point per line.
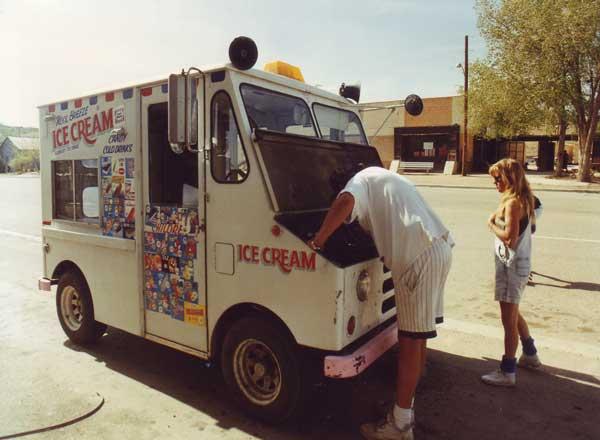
x=298 y=171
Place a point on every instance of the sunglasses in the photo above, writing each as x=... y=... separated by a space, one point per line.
x=497 y=179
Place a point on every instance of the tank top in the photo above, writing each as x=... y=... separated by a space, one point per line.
x=521 y=252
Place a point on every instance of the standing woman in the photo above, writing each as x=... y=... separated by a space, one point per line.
x=511 y=224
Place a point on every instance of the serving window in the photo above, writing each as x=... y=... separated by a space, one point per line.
x=75 y=189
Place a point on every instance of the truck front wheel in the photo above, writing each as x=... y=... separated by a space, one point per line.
x=76 y=311
x=260 y=367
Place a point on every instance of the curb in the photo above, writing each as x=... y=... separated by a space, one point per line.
x=587 y=191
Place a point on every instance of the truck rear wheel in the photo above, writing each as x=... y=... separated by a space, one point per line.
x=261 y=369
x=76 y=311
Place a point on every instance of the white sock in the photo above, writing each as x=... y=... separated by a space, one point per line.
x=402 y=416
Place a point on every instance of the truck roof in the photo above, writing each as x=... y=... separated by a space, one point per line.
x=258 y=73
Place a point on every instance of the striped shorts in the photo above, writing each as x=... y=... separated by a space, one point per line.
x=420 y=292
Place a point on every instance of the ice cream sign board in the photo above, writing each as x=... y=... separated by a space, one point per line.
x=81 y=125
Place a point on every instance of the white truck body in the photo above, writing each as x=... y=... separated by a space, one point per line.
x=179 y=269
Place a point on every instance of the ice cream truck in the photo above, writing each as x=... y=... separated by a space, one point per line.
x=179 y=210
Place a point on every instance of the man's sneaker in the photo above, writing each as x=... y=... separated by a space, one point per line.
x=528 y=361
x=386 y=429
x=500 y=378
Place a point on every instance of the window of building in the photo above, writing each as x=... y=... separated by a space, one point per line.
x=339 y=125
x=269 y=110
x=427 y=144
x=229 y=163
x=76 y=194
x=173 y=178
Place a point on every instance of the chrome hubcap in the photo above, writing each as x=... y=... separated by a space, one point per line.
x=257 y=372
x=71 y=308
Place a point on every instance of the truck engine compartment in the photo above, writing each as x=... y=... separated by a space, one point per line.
x=348 y=245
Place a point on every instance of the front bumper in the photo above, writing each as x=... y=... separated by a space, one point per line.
x=350 y=365
x=46 y=284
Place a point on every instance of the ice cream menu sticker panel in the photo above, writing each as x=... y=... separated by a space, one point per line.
x=170 y=250
x=118 y=196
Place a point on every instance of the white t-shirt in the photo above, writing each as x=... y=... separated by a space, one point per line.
x=401 y=223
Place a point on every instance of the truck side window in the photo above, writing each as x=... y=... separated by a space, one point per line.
x=228 y=160
x=76 y=195
x=170 y=175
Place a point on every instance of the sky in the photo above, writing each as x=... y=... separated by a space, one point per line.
x=52 y=50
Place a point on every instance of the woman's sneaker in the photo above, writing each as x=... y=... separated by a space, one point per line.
x=500 y=378
x=529 y=361
x=386 y=429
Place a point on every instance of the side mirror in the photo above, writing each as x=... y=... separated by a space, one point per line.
x=183 y=112
x=413 y=105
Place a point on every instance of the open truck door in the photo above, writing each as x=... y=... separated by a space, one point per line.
x=174 y=252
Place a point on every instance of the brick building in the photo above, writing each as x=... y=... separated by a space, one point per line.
x=436 y=136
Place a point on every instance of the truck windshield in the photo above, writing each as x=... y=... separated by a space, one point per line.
x=269 y=110
x=339 y=125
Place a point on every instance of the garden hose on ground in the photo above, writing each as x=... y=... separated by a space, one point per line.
x=60 y=425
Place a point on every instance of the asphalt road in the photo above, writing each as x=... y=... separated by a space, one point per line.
x=152 y=392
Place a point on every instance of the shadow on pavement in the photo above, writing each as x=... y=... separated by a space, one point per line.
x=577 y=285
x=451 y=402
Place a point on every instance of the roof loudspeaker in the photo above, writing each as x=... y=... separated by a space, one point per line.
x=243 y=53
x=413 y=105
x=350 y=91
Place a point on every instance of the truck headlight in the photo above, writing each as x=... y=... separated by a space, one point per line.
x=363 y=285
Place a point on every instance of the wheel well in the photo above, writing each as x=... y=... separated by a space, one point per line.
x=68 y=266
x=238 y=312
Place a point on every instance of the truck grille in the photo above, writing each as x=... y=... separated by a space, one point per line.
x=387 y=286
x=388 y=304
x=387 y=289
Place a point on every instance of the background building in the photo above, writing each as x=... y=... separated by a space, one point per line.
x=436 y=136
x=11 y=145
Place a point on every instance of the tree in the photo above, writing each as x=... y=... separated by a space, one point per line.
x=498 y=107
x=551 y=49
x=25 y=160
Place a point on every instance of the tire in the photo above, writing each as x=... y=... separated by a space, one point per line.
x=76 y=311
x=260 y=367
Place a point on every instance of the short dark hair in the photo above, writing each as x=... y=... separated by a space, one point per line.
x=340 y=177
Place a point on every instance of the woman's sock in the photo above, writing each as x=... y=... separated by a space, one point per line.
x=528 y=346
x=508 y=365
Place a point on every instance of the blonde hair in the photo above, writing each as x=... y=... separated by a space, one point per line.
x=517 y=187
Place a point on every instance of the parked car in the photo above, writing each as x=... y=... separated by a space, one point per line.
x=531 y=163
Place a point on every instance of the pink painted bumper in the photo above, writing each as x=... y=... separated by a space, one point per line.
x=352 y=364
x=45 y=284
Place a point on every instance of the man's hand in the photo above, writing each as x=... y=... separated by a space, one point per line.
x=339 y=211
x=313 y=245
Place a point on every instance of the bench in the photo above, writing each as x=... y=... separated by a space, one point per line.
x=397 y=166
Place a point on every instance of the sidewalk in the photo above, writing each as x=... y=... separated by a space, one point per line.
x=538 y=181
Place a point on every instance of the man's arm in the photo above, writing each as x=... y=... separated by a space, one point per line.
x=340 y=210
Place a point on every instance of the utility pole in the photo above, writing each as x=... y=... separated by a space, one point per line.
x=466 y=107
